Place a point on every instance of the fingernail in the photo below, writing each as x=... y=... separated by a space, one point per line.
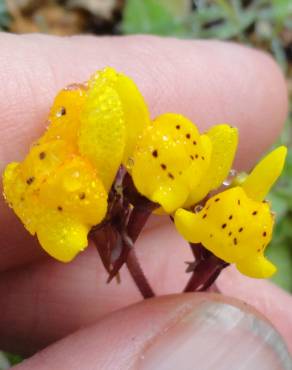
x=217 y=336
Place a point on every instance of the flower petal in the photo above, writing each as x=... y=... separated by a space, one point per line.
x=135 y=110
x=187 y=225
x=234 y=227
x=22 y=181
x=74 y=189
x=265 y=174
x=258 y=267
x=61 y=236
x=102 y=134
x=170 y=159
x=14 y=190
x=64 y=118
x=224 y=139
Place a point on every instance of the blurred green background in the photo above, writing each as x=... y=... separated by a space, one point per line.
x=261 y=23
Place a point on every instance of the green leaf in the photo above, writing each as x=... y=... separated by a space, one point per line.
x=13 y=359
x=5 y=18
x=152 y=17
x=282 y=10
x=279 y=53
x=178 y=8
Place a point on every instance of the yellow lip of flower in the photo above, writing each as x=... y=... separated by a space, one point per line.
x=61 y=236
x=57 y=195
x=170 y=159
x=235 y=224
x=74 y=200
x=190 y=183
x=22 y=181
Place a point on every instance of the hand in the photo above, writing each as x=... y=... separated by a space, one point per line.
x=42 y=301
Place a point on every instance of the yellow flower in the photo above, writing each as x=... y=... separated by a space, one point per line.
x=236 y=225
x=175 y=166
x=57 y=195
x=169 y=160
x=60 y=189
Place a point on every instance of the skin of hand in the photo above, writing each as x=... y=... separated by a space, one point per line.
x=43 y=301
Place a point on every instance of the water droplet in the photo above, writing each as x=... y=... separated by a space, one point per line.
x=198 y=208
x=230 y=178
x=130 y=163
x=61 y=112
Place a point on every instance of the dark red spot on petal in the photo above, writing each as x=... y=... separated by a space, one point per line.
x=155 y=153
x=30 y=180
x=42 y=155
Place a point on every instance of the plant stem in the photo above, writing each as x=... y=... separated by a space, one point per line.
x=205 y=273
x=138 y=275
x=137 y=221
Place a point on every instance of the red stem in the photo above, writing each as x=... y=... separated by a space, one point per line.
x=136 y=223
x=205 y=273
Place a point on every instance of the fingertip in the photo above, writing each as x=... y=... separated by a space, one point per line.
x=266 y=297
x=269 y=95
x=169 y=333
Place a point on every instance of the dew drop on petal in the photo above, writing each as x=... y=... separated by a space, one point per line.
x=130 y=163
x=198 y=208
x=230 y=178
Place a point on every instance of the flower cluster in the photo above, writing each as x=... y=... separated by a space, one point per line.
x=63 y=187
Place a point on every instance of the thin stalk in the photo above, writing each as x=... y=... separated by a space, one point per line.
x=136 y=223
x=205 y=273
x=138 y=275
